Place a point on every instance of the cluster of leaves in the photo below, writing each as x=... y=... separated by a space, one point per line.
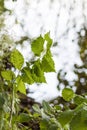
x=58 y=118
x=15 y=73
x=13 y=80
x=78 y=104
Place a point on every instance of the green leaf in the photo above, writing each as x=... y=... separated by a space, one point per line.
x=65 y=117
x=37 y=46
x=47 y=64
x=67 y=94
x=36 y=108
x=57 y=107
x=78 y=99
x=48 y=124
x=48 y=39
x=46 y=107
x=79 y=108
x=23 y=117
x=79 y=121
x=54 y=125
x=20 y=85
x=17 y=59
x=7 y=75
x=44 y=125
x=27 y=75
x=37 y=72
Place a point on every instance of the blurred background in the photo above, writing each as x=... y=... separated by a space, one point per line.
x=67 y=22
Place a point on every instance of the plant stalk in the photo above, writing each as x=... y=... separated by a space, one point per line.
x=12 y=109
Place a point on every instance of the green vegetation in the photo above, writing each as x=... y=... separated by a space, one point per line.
x=71 y=111
x=30 y=73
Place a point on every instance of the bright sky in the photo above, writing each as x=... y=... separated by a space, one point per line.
x=57 y=16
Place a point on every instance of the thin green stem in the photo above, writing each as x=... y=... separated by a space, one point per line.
x=12 y=109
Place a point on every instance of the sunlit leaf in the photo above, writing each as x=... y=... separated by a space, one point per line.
x=20 y=85
x=27 y=75
x=37 y=72
x=67 y=94
x=47 y=64
x=48 y=39
x=8 y=75
x=17 y=59
x=37 y=46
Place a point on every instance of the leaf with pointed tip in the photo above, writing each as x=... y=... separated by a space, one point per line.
x=27 y=75
x=20 y=85
x=17 y=59
x=37 y=72
x=47 y=64
x=36 y=108
x=7 y=75
x=37 y=46
x=48 y=39
x=47 y=108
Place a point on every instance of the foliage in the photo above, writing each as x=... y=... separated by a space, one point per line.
x=69 y=114
x=54 y=117
x=48 y=116
x=31 y=72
